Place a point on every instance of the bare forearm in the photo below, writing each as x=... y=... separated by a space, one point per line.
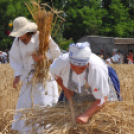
x=67 y=92
x=60 y=82
x=95 y=107
x=16 y=81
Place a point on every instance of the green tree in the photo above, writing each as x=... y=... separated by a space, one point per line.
x=83 y=18
x=9 y=10
x=122 y=25
x=57 y=32
x=119 y=21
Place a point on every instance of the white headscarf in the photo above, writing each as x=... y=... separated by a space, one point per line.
x=79 y=53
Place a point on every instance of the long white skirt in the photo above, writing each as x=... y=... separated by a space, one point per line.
x=31 y=96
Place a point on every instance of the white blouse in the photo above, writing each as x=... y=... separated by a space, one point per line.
x=97 y=77
x=20 y=55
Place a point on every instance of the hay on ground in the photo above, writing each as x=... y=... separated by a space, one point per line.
x=114 y=117
x=9 y=98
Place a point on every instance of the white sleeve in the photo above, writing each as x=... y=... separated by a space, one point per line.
x=57 y=67
x=15 y=58
x=100 y=85
x=54 y=51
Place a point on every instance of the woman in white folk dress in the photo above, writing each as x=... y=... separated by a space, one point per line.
x=23 y=62
x=85 y=76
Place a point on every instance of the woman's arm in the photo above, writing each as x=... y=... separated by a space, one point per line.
x=54 y=51
x=16 y=81
x=67 y=92
x=16 y=62
x=83 y=118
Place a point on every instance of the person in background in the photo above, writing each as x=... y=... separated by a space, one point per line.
x=101 y=55
x=130 y=57
x=108 y=60
x=116 y=57
x=7 y=52
x=3 y=57
x=4 y=53
x=121 y=59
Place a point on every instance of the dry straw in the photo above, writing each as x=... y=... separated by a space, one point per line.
x=125 y=73
x=112 y=118
x=45 y=17
x=8 y=95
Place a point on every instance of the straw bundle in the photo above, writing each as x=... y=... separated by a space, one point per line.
x=114 y=117
x=45 y=19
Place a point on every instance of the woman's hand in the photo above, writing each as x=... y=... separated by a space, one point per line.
x=37 y=58
x=97 y=104
x=82 y=118
x=68 y=93
x=16 y=81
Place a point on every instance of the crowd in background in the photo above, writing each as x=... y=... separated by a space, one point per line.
x=118 y=58
x=4 y=57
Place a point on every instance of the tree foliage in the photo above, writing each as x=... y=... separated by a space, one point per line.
x=117 y=22
x=84 y=17
x=9 y=10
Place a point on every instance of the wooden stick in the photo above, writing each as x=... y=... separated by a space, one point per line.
x=73 y=113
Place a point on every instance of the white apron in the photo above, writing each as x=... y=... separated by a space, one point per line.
x=37 y=98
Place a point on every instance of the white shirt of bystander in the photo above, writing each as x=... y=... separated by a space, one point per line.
x=116 y=58
x=108 y=61
x=4 y=54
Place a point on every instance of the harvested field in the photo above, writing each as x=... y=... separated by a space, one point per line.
x=8 y=95
x=119 y=113
x=126 y=76
x=114 y=117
